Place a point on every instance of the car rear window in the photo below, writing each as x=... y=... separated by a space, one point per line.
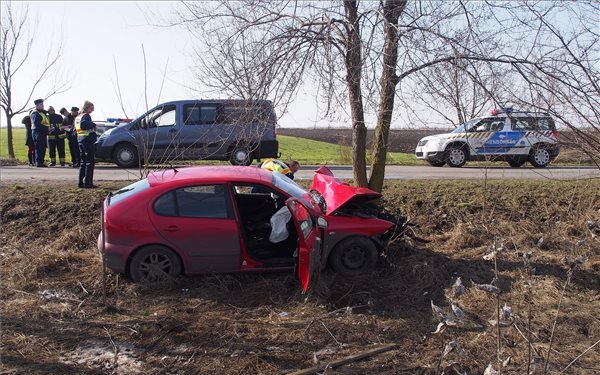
x=128 y=191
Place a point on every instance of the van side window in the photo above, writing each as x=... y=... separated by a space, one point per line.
x=163 y=116
x=249 y=114
x=195 y=114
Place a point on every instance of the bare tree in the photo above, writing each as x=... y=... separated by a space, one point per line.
x=368 y=53
x=17 y=42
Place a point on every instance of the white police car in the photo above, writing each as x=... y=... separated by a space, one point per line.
x=506 y=135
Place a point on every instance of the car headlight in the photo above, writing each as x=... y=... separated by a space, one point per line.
x=422 y=142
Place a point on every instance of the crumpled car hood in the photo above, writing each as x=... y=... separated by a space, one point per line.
x=337 y=193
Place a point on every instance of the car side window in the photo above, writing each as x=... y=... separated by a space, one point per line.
x=520 y=124
x=202 y=201
x=200 y=114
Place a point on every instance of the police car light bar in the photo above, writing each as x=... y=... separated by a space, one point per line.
x=495 y=111
x=114 y=119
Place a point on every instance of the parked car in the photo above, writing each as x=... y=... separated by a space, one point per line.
x=505 y=135
x=103 y=126
x=235 y=130
x=212 y=219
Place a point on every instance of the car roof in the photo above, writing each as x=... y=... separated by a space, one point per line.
x=221 y=173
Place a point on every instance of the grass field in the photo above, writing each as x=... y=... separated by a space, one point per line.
x=304 y=150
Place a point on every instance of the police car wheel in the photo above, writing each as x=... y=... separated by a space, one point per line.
x=456 y=156
x=515 y=163
x=153 y=264
x=353 y=255
x=241 y=155
x=436 y=163
x=539 y=157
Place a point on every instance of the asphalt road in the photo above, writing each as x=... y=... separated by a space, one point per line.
x=11 y=174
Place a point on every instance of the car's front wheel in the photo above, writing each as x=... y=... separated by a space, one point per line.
x=241 y=155
x=456 y=156
x=353 y=255
x=154 y=263
x=436 y=163
x=126 y=156
x=539 y=156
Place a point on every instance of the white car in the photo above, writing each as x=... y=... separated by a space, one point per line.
x=514 y=137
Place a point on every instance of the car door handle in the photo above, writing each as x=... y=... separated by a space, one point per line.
x=171 y=228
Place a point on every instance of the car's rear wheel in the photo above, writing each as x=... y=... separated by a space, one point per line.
x=126 y=156
x=436 y=163
x=241 y=155
x=456 y=156
x=539 y=156
x=154 y=263
x=353 y=255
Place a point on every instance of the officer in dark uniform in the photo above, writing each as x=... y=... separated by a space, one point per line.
x=29 y=139
x=86 y=136
x=69 y=122
x=40 y=124
x=56 y=137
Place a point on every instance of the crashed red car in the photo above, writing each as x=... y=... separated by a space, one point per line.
x=212 y=219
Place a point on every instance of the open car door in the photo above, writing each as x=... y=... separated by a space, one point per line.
x=309 y=243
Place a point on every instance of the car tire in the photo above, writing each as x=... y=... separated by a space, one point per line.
x=126 y=156
x=241 y=155
x=436 y=163
x=154 y=263
x=353 y=255
x=516 y=163
x=456 y=156
x=539 y=156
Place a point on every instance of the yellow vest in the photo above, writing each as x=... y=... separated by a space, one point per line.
x=274 y=165
x=80 y=132
x=45 y=119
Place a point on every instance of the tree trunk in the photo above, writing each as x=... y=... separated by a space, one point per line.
x=9 y=133
x=354 y=70
x=392 y=10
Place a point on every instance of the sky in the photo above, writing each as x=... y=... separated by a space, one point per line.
x=104 y=42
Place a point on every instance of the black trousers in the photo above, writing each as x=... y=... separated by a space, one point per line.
x=73 y=147
x=40 y=141
x=87 y=151
x=53 y=146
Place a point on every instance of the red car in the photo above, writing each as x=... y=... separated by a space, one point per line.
x=211 y=219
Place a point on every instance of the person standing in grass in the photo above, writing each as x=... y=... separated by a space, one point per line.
x=40 y=124
x=29 y=140
x=86 y=137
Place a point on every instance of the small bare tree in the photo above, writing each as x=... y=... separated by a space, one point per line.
x=16 y=44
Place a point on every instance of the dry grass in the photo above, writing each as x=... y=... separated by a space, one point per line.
x=56 y=321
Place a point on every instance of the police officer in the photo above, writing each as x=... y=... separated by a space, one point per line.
x=275 y=165
x=86 y=136
x=56 y=137
x=40 y=125
x=29 y=139
x=69 y=122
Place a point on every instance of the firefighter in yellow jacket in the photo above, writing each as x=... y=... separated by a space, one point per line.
x=275 y=165
x=56 y=137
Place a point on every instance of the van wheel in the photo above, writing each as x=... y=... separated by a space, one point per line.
x=241 y=155
x=153 y=264
x=126 y=156
x=353 y=255
x=456 y=156
x=539 y=156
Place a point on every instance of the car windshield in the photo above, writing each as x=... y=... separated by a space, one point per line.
x=127 y=191
x=288 y=185
x=467 y=125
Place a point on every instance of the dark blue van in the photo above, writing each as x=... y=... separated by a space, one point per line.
x=221 y=129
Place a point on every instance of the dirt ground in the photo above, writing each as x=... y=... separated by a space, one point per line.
x=59 y=315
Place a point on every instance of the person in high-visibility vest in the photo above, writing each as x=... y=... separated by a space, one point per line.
x=86 y=136
x=40 y=125
x=275 y=165
x=56 y=137
x=69 y=123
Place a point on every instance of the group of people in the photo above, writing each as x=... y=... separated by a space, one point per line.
x=47 y=130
